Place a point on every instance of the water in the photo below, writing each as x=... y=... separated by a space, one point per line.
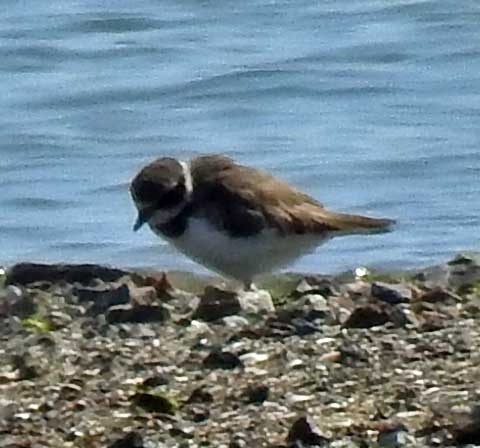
x=372 y=106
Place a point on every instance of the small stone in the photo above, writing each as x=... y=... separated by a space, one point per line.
x=70 y=391
x=315 y=302
x=440 y=296
x=298 y=398
x=59 y=319
x=315 y=285
x=334 y=356
x=222 y=360
x=303 y=287
x=431 y=321
x=256 y=302
x=305 y=433
x=238 y=442
x=393 y=436
x=137 y=314
x=199 y=414
x=367 y=316
x=154 y=403
x=198 y=329
x=257 y=394
x=466 y=427
x=145 y=295
x=253 y=358
x=185 y=432
x=25 y=273
x=130 y=440
x=103 y=298
x=391 y=293
x=352 y=354
x=155 y=381
x=236 y=322
x=200 y=395
x=216 y=303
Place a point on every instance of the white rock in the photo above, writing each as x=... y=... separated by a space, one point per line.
x=256 y=301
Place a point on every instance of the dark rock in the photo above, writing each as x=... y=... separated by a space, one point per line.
x=391 y=293
x=466 y=429
x=154 y=403
x=257 y=394
x=130 y=440
x=222 y=360
x=216 y=303
x=25 y=273
x=200 y=395
x=440 y=296
x=155 y=381
x=103 y=298
x=367 y=316
x=137 y=314
x=304 y=433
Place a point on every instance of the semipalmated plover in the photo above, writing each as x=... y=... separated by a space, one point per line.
x=234 y=219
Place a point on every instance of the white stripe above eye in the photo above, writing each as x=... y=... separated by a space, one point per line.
x=188 y=177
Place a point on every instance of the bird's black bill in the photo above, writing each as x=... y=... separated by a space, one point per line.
x=143 y=216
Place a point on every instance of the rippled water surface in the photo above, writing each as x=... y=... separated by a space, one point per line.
x=371 y=106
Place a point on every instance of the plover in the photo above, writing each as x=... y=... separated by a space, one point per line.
x=234 y=219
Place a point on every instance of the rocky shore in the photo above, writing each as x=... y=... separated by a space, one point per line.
x=92 y=356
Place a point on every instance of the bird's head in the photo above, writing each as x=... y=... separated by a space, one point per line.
x=160 y=191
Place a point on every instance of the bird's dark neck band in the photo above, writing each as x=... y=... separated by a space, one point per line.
x=175 y=226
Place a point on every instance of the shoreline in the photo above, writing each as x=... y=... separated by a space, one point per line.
x=103 y=357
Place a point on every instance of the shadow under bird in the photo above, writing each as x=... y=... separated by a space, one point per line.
x=234 y=219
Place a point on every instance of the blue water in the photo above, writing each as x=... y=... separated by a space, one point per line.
x=372 y=106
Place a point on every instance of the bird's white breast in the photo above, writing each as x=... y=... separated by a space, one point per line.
x=241 y=257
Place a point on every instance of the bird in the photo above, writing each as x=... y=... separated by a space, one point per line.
x=236 y=220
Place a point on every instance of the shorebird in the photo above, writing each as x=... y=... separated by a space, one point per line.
x=233 y=219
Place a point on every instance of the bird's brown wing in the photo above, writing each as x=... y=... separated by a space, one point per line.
x=246 y=200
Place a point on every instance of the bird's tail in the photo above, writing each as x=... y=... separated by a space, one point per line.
x=346 y=223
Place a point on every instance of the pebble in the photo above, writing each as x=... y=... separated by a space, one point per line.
x=391 y=293
x=132 y=439
x=137 y=314
x=154 y=402
x=257 y=394
x=256 y=302
x=304 y=432
x=103 y=298
x=222 y=360
x=367 y=316
x=216 y=303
